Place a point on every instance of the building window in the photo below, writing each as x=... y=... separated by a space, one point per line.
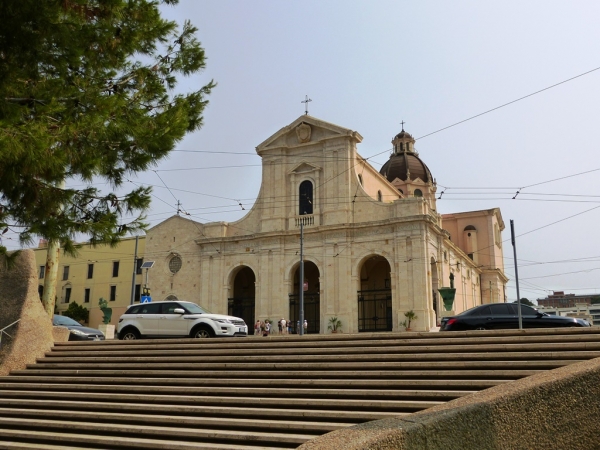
x=379 y=196
x=306 y=198
x=138 y=293
x=90 y=271
x=86 y=295
x=360 y=179
x=115 y=268
x=138 y=266
x=113 y=293
x=42 y=272
x=65 y=273
x=41 y=290
x=67 y=295
x=418 y=193
x=175 y=264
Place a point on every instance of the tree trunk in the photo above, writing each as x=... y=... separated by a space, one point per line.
x=49 y=295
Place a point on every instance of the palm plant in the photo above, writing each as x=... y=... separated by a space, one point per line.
x=335 y=324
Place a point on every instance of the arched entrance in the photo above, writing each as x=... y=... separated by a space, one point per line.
x=375 y=295
x=243 y=302
x=312 y=302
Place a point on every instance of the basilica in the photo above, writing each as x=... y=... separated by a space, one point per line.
x=373 y=244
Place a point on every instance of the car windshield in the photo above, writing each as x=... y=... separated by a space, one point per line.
x=195 y=309
x=65 y=321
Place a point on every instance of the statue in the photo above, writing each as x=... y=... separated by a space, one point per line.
x=105 y=310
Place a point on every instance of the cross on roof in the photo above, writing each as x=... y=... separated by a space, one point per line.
x=305 y=101
x=402 y=123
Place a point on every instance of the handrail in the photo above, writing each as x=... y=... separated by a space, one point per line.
x=4 y=332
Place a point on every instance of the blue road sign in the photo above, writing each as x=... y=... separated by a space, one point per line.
x=146 y=299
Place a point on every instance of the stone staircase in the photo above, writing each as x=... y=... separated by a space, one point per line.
x=259 y=393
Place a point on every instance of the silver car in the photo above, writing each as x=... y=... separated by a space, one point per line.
x=176 y=319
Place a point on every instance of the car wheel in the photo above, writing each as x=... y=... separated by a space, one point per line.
x=481 y=328
x=129 y=335
x=202 y=333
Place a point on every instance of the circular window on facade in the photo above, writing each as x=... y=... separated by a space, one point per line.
x=175 y=264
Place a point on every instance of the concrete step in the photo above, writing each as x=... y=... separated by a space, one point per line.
x=575 y=353
x=200 y=351
x=371 y=374
x=177 y=410
x=257 y=383
x=270 y=402
x=246 y=392
x=314 y=367
x=117 y=430
x=67 y=440
x=254 y=393
x=222 y=423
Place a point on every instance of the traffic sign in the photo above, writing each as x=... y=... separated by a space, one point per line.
x=146 y=299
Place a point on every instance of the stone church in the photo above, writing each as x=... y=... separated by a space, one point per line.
x=374 y=244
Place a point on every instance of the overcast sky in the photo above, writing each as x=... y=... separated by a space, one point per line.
x=368 y=65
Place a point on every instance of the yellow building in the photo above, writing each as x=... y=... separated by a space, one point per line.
x=96 y=272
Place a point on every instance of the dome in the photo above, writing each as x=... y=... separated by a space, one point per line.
x=406 y=166
x=404 y=135
x=405 y=163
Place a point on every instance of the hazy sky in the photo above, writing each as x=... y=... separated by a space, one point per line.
x=368 y=65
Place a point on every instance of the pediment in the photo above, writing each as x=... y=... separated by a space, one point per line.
x=306 y=130
x=304 y=167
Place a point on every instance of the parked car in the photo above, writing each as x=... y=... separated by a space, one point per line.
x=502 y=316
x=176 y=319
x=77 y=331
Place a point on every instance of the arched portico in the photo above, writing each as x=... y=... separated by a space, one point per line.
x=242 y=302
x=312 y=297
x=375 y=295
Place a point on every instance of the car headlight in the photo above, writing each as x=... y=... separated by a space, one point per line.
x=78 y=332
x=223 y=320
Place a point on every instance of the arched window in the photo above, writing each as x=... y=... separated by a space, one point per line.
x=379 y=196
x=306 y=198
x=418 y=193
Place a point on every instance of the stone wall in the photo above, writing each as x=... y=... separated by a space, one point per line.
x=33 y=335
x=557 y=410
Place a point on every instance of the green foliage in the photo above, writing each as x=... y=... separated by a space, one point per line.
x=595 y=299
x=88 y=95
x=410 y=316
x=335 y=324
x=103 y=304
x=77 y=312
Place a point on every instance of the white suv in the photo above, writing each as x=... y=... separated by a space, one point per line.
x=176 y=319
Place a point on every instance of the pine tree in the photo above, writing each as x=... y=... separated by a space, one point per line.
x=87 y=94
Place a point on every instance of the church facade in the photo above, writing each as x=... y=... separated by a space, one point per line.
x=373 y=244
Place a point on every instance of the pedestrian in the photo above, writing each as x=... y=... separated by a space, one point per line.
x=267 y=328
x=280 y=325
x=298 y=327
x=283 y=325
x=257 y=328
x=305 y=326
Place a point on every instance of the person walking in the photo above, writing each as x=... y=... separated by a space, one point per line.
x=267 y=327
x=305 y=326
x=280 y=325
x=257 y=328
x=283 y=326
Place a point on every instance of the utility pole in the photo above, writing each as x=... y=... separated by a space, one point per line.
x=301 y=327
x=135 y=258
x=512 y=238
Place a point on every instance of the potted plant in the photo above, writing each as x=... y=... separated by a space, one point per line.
x=410 y=316
x=335 y=324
